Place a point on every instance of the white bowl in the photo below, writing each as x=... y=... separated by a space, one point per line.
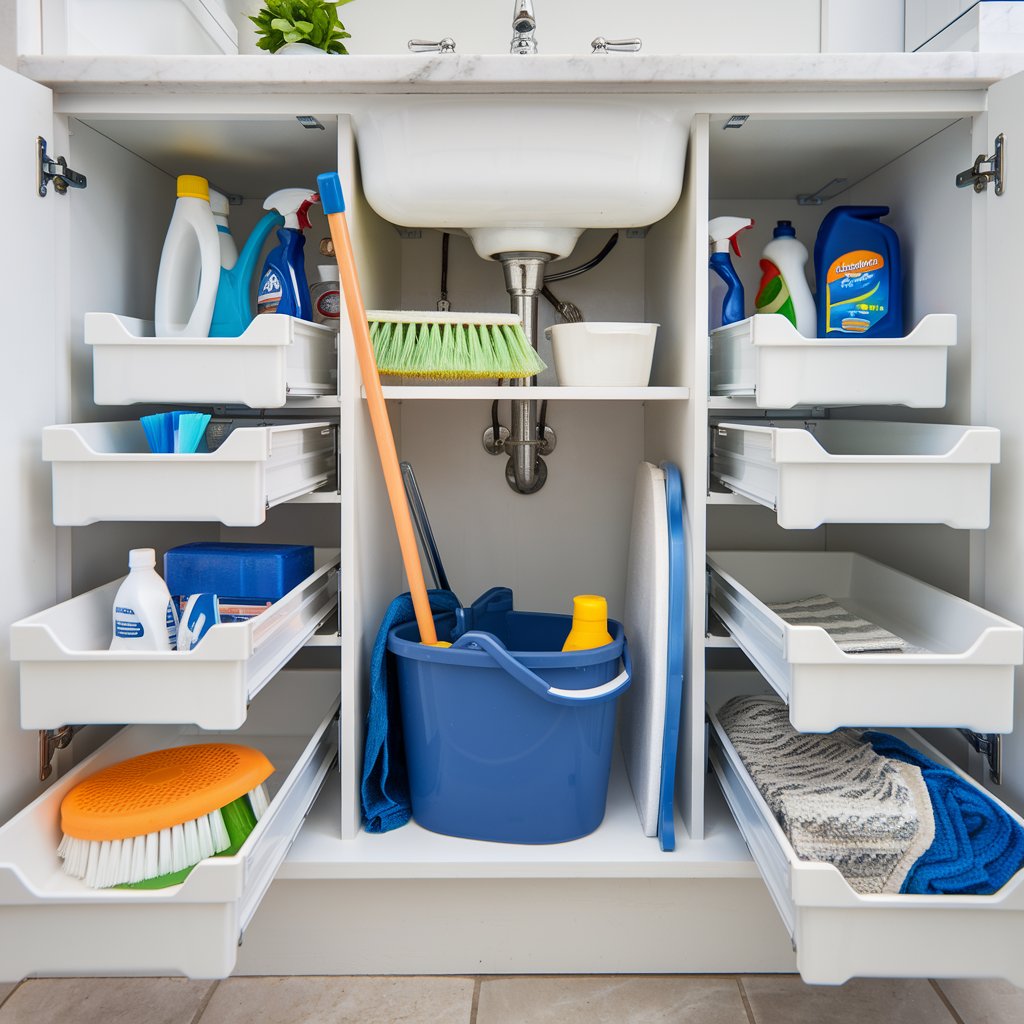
x=603 y=354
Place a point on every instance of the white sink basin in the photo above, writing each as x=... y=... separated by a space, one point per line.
x=525 y=173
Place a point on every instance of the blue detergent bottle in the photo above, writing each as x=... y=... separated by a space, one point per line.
x=723 y=232
x=283 y=285
x=860 y=280
x=232 y=312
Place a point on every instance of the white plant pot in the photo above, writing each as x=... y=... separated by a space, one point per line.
x=301 y=50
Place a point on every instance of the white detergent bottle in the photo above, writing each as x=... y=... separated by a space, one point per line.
x=144 y=615
x=186 y=283
x=221 y=208
x=784 y=287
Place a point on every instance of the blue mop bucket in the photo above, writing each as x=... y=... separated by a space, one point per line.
x=506 y=738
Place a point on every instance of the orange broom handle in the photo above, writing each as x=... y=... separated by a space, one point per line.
x=331 y=197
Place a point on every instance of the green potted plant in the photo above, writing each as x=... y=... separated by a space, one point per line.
x=300 y=26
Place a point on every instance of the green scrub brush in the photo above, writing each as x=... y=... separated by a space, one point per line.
x=452 y=346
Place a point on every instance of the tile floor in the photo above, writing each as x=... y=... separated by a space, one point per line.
x=608 y=999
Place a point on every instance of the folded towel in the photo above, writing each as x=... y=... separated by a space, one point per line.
x=835 y=798
x=978 y=847
x=385 y=787
x=851 y=633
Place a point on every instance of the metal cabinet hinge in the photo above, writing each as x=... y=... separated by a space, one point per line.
x=50 y=741
x=56 y=171
x=990 y=746
x=978 y=179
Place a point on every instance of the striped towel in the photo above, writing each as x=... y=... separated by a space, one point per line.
x=852 y=634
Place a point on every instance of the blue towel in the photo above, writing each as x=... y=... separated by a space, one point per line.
x=385 y=789
x=978 y=847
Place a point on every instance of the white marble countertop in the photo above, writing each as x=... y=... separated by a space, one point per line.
x=699 y=73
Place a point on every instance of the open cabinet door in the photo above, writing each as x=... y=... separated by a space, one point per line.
x=998 y=385
x=28 y=395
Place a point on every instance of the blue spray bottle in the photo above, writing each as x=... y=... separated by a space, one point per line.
x=233 y=310
x=283 y=285
x=723 y=232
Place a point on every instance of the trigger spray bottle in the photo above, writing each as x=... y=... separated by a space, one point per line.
x=283 y=285
x=723 y=232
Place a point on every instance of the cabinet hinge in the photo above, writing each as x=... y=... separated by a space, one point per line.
x=990 y=746
x=50 y=741
x=56 y=171
x=978 y=179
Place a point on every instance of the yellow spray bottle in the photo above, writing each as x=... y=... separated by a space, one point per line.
x=589 y=623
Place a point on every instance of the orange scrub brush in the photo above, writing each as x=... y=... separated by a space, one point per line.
x=146 y=822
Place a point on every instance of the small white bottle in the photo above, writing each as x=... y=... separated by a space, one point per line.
x=784 y=287
x=221 y=208
x=144 y=617
x=186 y=283
x=326 y=295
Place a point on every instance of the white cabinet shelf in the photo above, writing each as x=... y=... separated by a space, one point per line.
x=839 y=934
x=490 y=392
x=106 y=472
x=860 y=471
x=963 y=677
x=764 y=358
x=51 y=923
x=67 y=675
x=277 y=358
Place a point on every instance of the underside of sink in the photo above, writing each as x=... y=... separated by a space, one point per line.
x=523 y=173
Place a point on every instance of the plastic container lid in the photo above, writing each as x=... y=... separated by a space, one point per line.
x=192 y=186
x=142 y=558
x=784 y=229
x=589 y=608
x=218 y=201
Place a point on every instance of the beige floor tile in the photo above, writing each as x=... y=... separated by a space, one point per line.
x=610 y=1000
x=986 y=1002
x=785 y=999
x=340 y=1001
x=105 y=1001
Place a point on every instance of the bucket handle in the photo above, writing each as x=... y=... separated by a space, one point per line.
x=489 y=644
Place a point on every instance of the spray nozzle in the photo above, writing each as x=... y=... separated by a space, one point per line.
x=724 y=231
x=293 y=204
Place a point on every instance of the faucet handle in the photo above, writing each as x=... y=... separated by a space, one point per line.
x=602 y=45
x=446 y=45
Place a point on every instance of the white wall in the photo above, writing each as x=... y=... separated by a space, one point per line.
x=568 y=26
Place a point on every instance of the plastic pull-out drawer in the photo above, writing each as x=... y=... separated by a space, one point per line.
x=67 y=674
x=958 y=671
x=860 y=471
x=51 y=923
x=840 y=934
x=106 y=472
x=276 y=358
x=764 y=358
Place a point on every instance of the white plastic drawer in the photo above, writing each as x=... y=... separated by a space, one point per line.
x=67 y=675
x=860 y=471
x=276 y=358
x=967 y=681
x=106 y=472
x=839 y=934
x=51 y=923
x=764 y=357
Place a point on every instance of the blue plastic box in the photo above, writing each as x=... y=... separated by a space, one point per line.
x=506 y=738
x=242 y=574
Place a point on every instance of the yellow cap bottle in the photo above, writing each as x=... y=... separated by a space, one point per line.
x=589 y=623
x=192 y=186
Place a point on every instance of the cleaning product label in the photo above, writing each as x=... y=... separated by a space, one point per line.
x=270 y=293
x=172 y=625
x=856 y=292
x=126 y=623
x=773 y=295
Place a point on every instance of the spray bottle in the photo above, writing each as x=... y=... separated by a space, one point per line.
x=283 y=284
x=723 y=232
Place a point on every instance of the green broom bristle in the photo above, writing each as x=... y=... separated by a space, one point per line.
x=453 y=351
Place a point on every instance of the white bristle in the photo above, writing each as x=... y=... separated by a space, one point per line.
x=164 y=859
x=124 y=862
x=205 y=835
x=137 y=870
x=221 y=839
x=259 y=800
x=152 y=869
x=178 y=860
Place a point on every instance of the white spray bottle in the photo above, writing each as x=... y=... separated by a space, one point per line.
x=144 y=615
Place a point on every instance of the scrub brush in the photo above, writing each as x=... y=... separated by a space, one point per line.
x=146 y=822
x=452 y=346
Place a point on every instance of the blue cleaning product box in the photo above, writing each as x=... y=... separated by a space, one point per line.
x=860 y=280
x=246 y=577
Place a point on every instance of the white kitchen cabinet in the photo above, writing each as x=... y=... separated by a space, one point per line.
x=899 y=143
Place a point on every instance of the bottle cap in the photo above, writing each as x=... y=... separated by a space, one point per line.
x=218 y=202
x=192 y=186
x=589 y=608
x=141 y=558
x=328 y=273
x=784 y=229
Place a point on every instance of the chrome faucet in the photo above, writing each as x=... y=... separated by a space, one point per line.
x=523 y=25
